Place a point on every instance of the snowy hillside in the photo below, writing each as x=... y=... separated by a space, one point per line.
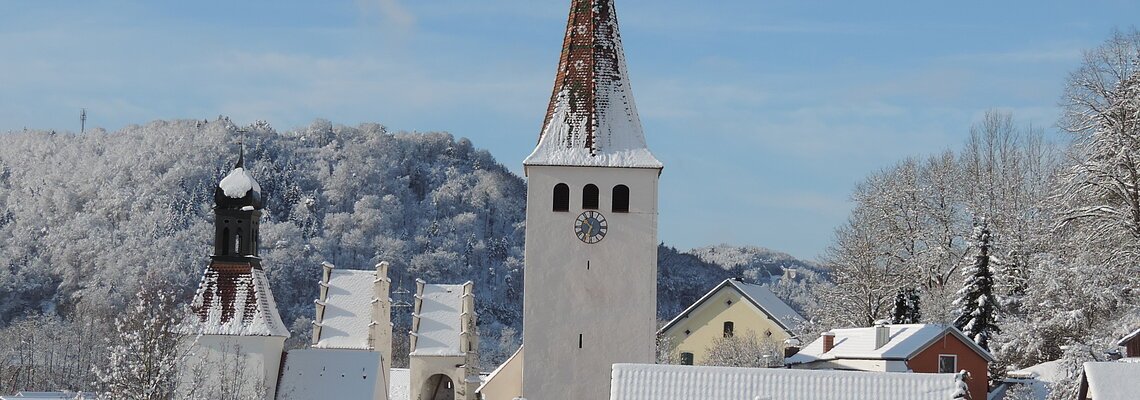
x=83 y=217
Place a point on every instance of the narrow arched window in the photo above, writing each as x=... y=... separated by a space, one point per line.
x=728 y=327
x=621 y=198
x=561 y=197
x=225 y=242
x=590 y=197
x=237 y=244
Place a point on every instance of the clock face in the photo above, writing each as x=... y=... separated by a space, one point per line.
x=590 y=227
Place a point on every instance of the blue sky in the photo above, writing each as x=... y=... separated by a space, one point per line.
x=765 y=113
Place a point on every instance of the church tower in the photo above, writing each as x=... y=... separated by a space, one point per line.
x=235 y=326
x=590 y=289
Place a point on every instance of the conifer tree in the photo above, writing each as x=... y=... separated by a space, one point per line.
x=906 y=310
x=977 y=307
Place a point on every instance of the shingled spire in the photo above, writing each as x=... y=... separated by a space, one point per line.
x=592 y=119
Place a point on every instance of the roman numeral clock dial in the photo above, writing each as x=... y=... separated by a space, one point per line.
x=590 y=227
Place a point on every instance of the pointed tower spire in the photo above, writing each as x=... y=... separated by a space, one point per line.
x=241 y=149
x=592 y=119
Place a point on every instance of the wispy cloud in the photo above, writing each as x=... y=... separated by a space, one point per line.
x=390 y=13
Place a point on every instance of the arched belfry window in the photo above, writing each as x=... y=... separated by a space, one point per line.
x=225 y=242
x=237 y=244
x=728 y=329
x=590 y=197
x=621 y=198
x=561 y=197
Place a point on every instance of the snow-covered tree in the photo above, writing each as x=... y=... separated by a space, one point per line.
x=747 y=350
x=978 y=311
x=907 y=308
x=146 y=350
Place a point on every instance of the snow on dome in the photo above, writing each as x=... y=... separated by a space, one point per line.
x=239 y=182
x=592 y=119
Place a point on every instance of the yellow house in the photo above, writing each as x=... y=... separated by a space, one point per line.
x=732 y=308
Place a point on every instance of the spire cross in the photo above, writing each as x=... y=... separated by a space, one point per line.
x=241 y=148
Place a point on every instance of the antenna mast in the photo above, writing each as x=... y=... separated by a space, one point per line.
x=82 y=120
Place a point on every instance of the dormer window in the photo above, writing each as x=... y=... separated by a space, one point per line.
x=590 y=197
x=561 y=197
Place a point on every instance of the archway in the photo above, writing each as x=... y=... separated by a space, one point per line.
x=438 y=387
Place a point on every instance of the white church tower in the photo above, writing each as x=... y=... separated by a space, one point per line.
x=591 y=221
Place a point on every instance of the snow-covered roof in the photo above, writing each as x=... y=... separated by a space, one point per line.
x=1124 y=340
x=438 y=323
x=758 y=295
x=1049 y=371
x=656 y=382
x=905 y=341
x=347 y=310
x=1037 y=378
x=235 y=299
x=52 y=395
x=333 y=374
x=1112 y=380
x=592 y=119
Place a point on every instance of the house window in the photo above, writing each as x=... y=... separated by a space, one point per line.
x=561 y=197
x=686 y=358
x=590 y=197
x=947 y=363
x=621 y=199
x=728 y=329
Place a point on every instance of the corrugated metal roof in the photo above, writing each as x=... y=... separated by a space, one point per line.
x=676 y=382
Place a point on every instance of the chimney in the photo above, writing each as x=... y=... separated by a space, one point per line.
x=791 y=347
x=828 y=341
x=882 y=335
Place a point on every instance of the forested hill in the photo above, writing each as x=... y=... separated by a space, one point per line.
x=84 y=218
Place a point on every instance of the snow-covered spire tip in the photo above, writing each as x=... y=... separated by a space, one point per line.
x=238 y=189
x=592 y=119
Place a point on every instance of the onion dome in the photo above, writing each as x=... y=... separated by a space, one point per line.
x=238 y=190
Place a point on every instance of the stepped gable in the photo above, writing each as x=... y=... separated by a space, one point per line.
x=592 y=119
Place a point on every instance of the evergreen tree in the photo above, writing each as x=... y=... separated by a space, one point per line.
x=907 y=307
x=977 y=307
